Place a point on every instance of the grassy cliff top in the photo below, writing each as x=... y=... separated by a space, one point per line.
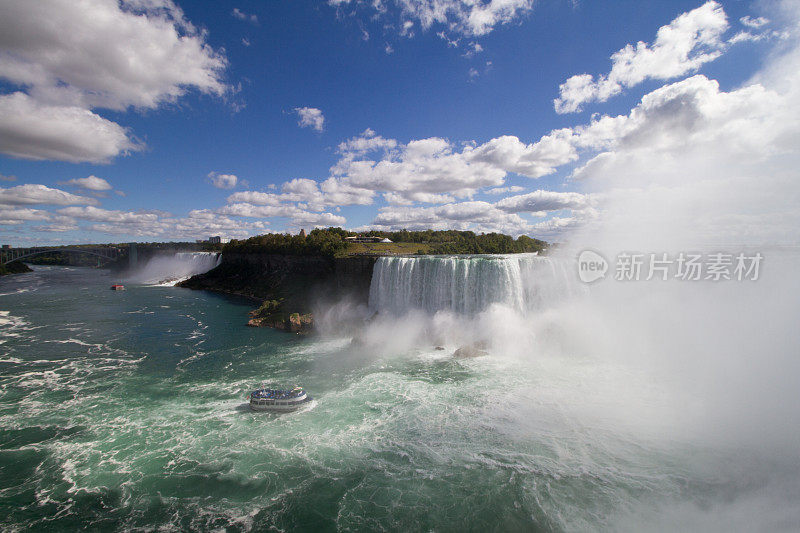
x=386 y=248
x=332 y=242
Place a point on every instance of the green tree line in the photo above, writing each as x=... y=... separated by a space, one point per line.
x=331 y=242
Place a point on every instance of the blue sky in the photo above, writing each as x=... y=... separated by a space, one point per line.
x=130 y=121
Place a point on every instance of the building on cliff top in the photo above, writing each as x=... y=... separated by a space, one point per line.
x=362 y=238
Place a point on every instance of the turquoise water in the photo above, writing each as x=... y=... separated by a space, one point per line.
x=126 y=410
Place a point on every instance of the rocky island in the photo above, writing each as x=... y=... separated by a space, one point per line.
x=14 y=267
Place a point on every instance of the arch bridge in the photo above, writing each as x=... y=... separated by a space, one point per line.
x=110 y=253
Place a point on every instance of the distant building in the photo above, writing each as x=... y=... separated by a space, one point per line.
x=364 y=238
x=6 y=247
x=218 y=240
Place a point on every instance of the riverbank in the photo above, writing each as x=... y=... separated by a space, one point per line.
x=291 y=285
x=15 y=267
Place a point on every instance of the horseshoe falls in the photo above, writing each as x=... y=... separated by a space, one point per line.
x=467 y=285
x=580 y=409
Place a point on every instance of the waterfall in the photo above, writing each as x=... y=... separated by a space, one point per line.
x=171 y=269
x=468 y=284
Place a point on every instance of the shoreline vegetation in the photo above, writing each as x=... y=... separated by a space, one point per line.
x=289 y=274
x=14 y=267
x=331 y=242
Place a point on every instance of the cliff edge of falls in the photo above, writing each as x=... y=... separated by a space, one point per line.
x=289 y=286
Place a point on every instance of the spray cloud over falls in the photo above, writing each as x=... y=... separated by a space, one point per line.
x=669 y=365
x=173 y=268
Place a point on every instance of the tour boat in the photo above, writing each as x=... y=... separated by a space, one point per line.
x=278 y=401
x=118 y=287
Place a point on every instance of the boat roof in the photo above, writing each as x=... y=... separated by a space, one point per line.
x=295 y=391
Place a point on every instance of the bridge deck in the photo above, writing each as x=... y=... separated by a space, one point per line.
x=8 y=255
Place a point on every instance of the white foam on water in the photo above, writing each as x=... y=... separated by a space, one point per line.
x=7 y=319
x=18 y=291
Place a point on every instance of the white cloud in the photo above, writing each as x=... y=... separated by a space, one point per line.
x=201 y=223
x=752 y=22
x=255 y=198
x=540 y=200
x=9 y=217
x=429 y=170
x=310 y=117
x=300 y=190
x=682 y=46
x=198 y=223
x=433 y=166
x=504 y=190
x=367 y=142
x=677 y=118
x=296 y=215
x=746 y=36
x=99 y=53
x=31 y=194
x=471 y=18
x=555 y=229
x=317 y=219
x=453 y=43
x=243 y=209
x=73 y=57
x=410 y=198
x=534 y=160
x=475 y=216
x=488 y=217
x=690 y=161
x=222 y=181
x=694 y=164
x=339 y=192
x=473 y=48
x=239 y=14
x=316 y=196
x=97 y=214
x=31 y=129
x=57 y=224
x=421 y=166
x=93 y=183
x=755 y=30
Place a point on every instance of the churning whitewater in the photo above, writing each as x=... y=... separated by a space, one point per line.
x=129 y=411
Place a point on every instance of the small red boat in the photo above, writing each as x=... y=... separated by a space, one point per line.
x=118 y=287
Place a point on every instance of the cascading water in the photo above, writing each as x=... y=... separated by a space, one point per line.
x=467 y=284
x=171 y=269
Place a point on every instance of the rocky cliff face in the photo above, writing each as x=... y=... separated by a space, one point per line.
x=17 y=267
x=298 y=282
x=293 y=323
